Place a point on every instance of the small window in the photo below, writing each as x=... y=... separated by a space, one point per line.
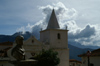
x=58 y=36
x=32 y=41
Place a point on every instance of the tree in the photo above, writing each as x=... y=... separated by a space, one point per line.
x=47 y=58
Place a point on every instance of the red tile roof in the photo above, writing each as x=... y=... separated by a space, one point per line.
x=6 y=43
x=3 y=52
x=93 y=53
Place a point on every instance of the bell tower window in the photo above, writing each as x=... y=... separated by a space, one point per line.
x=58 y=36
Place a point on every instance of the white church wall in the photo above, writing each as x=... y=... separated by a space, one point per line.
x=58 y=43
x=45 y=36
x=93 y=60
x=63 y=54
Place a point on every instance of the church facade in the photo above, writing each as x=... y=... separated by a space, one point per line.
x=51 y=38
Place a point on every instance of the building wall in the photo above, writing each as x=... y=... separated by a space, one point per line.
x=45 y=36
x=50 y=36
x=32 y=47
x=93 y=60
x=63 y=54
x=60 y=45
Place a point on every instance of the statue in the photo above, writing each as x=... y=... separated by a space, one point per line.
x=18 y=52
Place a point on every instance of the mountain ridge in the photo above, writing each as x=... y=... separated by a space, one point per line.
x=74 y=48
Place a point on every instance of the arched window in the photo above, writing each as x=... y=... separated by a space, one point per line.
x=58 y=36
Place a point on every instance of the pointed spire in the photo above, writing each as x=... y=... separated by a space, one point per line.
x=53 y=23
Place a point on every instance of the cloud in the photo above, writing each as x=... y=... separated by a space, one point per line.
x=87 y=32
x=63 y=14
x=86 y=36
x=89 y=35
x=22 y=29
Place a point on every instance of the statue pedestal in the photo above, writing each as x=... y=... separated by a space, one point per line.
x=24 y=62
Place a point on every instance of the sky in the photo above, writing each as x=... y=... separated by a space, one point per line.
x=80 y=16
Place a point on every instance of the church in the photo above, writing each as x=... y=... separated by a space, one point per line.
x=51 y=38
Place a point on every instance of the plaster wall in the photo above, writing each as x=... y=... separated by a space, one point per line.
x=93 y=60
x=60 y=45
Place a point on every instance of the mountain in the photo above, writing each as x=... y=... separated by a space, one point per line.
x=5 y=38
x=75 y=48
x=76 y=44
x=11 y=38
x=26 y=35
x=75 y=51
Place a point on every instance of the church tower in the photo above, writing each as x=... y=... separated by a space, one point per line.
x=57 y=39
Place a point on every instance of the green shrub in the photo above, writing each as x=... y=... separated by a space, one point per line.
x=47 y=58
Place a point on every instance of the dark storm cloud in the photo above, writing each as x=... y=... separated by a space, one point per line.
x=84 y=36
x=35 y=31
x=87 y=32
